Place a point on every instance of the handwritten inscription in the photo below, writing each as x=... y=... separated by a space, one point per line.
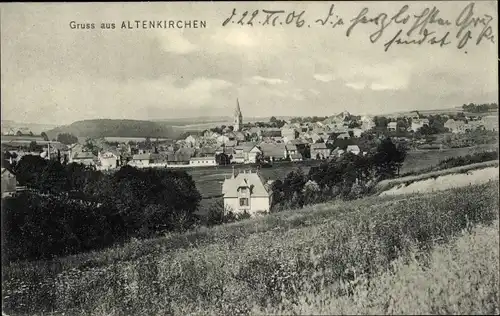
x=405 y=27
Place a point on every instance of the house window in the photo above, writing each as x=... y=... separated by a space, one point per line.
x=244 y=202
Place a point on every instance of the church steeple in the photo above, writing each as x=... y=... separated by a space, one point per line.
x=238 y=117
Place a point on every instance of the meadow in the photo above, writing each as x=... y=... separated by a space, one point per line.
x=333 y=252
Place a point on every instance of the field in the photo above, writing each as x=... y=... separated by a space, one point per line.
x=422 y=159
x=272 y=264
x=209 y=180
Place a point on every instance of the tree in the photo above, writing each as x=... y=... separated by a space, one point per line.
x=293 y=186
x=28 y=170
x=381 y=122
x=53 y=178
x=388 y=159
x=67 y=139
x=33 y=146
x=44 y=136
x=222 y=159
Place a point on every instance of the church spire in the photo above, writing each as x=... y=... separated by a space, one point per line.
x=238 y=117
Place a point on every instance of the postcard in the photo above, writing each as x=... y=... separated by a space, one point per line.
x=250 y=158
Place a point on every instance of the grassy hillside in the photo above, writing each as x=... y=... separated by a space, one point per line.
x=268 y=262
x=459 y=278
x=116 y=128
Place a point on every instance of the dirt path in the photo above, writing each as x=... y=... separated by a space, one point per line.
x=444 y=182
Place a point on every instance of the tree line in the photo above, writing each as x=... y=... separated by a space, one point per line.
x=479 y=108
x=348 y=176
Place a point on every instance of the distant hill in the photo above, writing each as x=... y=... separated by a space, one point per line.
x=36 y=128
x=116 y=128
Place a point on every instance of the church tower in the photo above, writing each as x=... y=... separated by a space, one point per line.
x=238 y=117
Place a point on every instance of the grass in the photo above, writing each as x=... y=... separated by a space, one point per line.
x=459 y=278
x=257 y=263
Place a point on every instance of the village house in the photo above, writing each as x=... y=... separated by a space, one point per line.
x=319 y=151
x=367 y=123
x=143 y=160
x=9 y=182
x=202 y=161
x=392 y=126
x=207 y=151
x=246 y=153
x=292 y=153
x=289 y=133
x=357 y=132
x=490 y=123
x=271 y=132
x=84 y=157
x=273 y=151
x=417 y=124
x=343 y=136
x=108 y=160
x=246 y=192
x=456 y=127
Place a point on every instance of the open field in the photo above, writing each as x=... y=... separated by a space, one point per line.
x=209 y=180
x=258 y=263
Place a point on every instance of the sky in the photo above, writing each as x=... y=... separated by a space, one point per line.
x=53 y=74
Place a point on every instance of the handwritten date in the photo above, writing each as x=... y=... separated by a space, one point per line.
x=280 y=17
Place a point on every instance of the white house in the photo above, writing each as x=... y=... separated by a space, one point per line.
x=246 y=192
x=357 y=132
x=84 y=157
x=417 y=124
x=392 y=126
x=246 y=153
x=142 y=160
x=202 y=161
x=456 y=127
x=9 y=182
x=108 y=160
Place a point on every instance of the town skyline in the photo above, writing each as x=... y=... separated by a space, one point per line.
x=52 y=74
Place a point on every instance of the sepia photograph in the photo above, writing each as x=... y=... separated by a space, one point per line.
x=250 y=158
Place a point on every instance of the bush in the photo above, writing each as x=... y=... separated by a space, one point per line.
x=43 y=227
x=73 y=208
x=216 y=214
x=468 y=160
